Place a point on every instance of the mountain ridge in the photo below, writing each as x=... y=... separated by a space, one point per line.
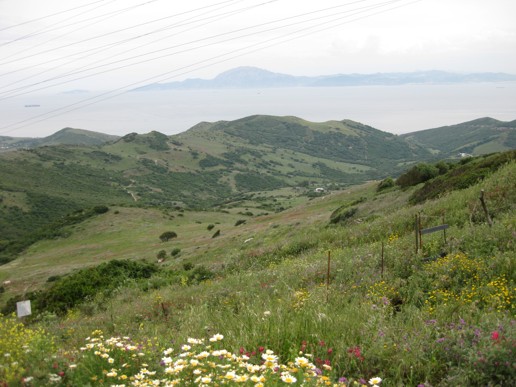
x=254 y=77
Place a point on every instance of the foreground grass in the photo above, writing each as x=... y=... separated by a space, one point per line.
x=443 y=321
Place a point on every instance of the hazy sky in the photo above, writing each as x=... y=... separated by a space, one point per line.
x=54 y=45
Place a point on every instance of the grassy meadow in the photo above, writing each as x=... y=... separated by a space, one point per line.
x=282 y=298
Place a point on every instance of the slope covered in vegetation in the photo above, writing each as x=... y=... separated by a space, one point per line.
x=484 y=135
x=209 y=165
x=331 y=301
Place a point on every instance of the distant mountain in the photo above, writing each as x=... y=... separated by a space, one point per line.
x=481 y=136
x=253 y=77
x=66 y=136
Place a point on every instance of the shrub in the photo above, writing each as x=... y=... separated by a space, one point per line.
x=85 y=284
x=100 y=209
x=462 y=176
x=417 y=174
x=385 y=183
x=210 y=227
x=443 y=167
x=187 y=266
x=199 y=274
x=342 y=214
x=217 y=233
x=175 y=251
x=167 y=235
x=161 y=254
x=239 y=222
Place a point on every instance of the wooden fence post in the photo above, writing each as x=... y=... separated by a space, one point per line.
x=382 y=259
x=444 y=230
x=328 y=276
x=489 y=221
x=416 y=231
x=419 y=228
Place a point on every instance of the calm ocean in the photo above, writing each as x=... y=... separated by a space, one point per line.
x=395 y=109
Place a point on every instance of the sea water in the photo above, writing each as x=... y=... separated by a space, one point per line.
x=394 y=109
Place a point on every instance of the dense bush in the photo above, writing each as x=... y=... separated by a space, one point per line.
x=167 y=235
x=211 y=161
x=417 y=174
x=157 y=141
x=100 y=209
x=199 y=274
x=257 y=182
x=462 y=176
x=388 y=182
x=342 y=214
x=69 y=291
x=161 y=254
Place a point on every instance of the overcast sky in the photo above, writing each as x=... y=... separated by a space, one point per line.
x=54 y=45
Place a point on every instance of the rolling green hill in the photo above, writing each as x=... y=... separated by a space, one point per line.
x=66 y=136
x=481 y=136
x=255 y=164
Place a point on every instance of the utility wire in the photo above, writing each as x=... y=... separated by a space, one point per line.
x=209 y=44
x=51 y=15
x=108 y=33
x=48 y=29
x=78 y=71
x=166 y=76
x=195 y=41
x=105 y=47
x=96 y=20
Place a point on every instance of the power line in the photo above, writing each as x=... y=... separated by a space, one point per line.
x=100 y=18
x=197 y=41
x=107 y=34
x=117 y=43
x=71 y=24
x=125 y=59
x=48 y=29
x=209 y=44
x=51 y=15
x=200 y=65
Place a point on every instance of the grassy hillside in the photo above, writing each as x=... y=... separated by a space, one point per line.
x=262 y=163
x=340 y=141
x=443 y=316
x=66 y=136
x=222 y=164
x=481 y=136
